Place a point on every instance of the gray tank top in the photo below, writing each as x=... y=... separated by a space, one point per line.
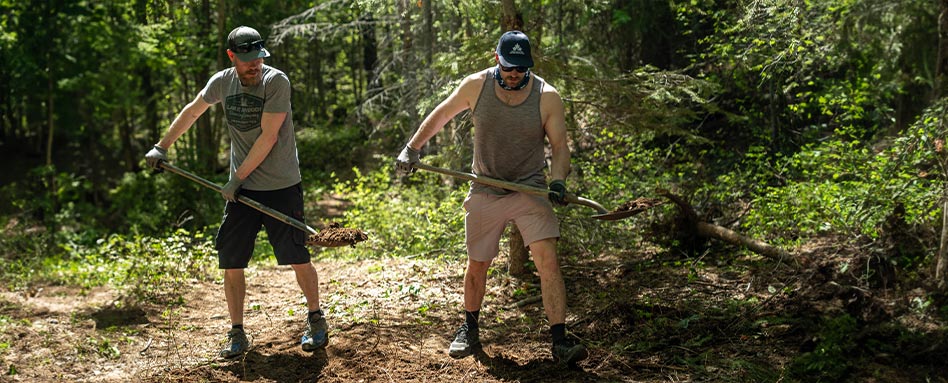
x=508 y=139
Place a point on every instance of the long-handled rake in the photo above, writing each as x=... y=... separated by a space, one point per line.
x=625 y=211
x=329 y=237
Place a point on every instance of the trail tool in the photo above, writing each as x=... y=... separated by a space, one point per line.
x=624 y=211
x=333 y=236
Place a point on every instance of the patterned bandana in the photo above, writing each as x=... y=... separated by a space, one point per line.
x=521 y=85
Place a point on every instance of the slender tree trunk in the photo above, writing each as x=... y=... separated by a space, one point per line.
x=6 y=108
x=941 y=77
x=51 y=223
x=942 y=265
x=404 y=11
x=518 y=252
x=317 y=61
x=207 y=140
x=429 y=38
x=50 y=116
x=516 y=266
x=941 y=67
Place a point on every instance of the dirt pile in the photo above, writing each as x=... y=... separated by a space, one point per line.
x=335 y=236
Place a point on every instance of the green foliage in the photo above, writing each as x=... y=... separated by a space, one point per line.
x=843 y=186
x=324 y=150
x=143 y=269
x=417 y=218
x=833 y=353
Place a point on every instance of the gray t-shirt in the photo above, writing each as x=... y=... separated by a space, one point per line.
x=243 y=108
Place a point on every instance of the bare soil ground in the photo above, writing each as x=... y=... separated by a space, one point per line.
x=644 y=319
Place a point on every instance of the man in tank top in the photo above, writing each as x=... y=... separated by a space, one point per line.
x=513 y=111
x=264 y=167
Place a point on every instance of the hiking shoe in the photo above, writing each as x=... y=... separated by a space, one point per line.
x=316 y=335
x=237 y=343
x=569 y=352
x=465 y=342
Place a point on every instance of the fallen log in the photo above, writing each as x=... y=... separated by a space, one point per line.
x=709 y=230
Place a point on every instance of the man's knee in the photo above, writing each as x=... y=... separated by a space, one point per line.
x=544 y=248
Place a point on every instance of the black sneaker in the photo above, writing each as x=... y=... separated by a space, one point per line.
x=569 y=352
x=465 y=342
x=237 y=344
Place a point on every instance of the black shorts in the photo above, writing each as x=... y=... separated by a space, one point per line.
x=238 y=232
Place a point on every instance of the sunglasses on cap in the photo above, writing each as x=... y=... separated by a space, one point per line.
x=520 y=69
x=248 y=46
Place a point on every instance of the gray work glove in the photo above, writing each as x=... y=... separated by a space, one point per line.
x=154 y=157
x=405 y=163
x=230 y=189
x=558 y=192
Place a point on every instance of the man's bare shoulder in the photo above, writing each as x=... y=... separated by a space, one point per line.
x=471 y=86
x=476 y=77
x=547 y=87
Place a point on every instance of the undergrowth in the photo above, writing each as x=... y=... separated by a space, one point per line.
x=142 y=269
x=411 y=217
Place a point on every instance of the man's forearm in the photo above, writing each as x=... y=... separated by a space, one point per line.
x=559 y=168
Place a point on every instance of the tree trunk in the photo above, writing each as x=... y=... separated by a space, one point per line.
x=518 y=252
x=50 y=118
x=511 y=19
x=942 y=265
x=207 y=139
x=404 y=11
x=429 y=37
x=941 y=66
x=941 y=77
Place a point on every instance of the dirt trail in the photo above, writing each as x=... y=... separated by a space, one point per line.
x=643 y=320
x=390 y=321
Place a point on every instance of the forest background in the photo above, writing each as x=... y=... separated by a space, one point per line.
x=815 y=126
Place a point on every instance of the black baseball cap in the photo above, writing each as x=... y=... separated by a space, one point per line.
x=246 y=44
x=514 y=50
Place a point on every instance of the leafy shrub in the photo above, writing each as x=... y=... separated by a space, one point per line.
x=141 y=268
x=325 y=150
x=832 y=355
x=845 y=186
x=417 y=218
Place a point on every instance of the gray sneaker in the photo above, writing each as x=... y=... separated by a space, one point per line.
x=465 y=342
x=316 y=335
x=569 y=352
x=237 y=344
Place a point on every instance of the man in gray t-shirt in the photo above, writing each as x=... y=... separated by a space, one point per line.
x=264 y=167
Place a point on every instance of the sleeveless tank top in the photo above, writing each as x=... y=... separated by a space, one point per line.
x=508 y=139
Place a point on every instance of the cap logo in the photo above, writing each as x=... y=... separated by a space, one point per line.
x=516 y=50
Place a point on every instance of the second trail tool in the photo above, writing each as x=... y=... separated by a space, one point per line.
x=601 y=212
x=332 y=236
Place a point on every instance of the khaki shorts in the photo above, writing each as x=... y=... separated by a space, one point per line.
x=488 y=214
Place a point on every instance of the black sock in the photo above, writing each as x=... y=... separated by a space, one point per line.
x=237 y=326
x=470 y=318
x=315 y=314
x=558 y=331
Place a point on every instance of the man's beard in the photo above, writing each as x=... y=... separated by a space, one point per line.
x=246 y=79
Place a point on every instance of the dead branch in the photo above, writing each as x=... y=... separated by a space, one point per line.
x=709 y=230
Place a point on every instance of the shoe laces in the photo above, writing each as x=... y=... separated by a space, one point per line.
x=234 y=333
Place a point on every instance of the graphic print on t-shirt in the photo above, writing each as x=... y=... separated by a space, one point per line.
x=244 y=111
